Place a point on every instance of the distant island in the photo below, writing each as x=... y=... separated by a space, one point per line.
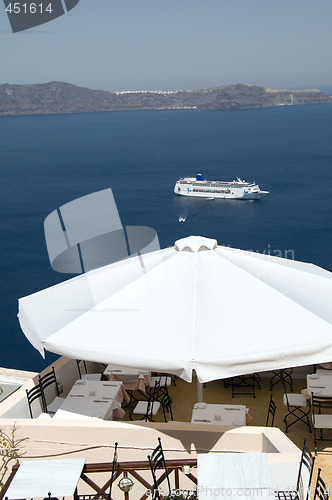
x=59 y=97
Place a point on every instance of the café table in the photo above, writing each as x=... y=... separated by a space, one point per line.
x=95 y=399
x=319 y=384
x=36 y=478
x=69 y=415
x=244 y=475
x=234 y=476
x=217 y=414
x=132 y=378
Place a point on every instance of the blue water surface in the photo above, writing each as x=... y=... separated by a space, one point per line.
x=48 y=160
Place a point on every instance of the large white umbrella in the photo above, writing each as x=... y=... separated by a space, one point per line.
x=195 y=306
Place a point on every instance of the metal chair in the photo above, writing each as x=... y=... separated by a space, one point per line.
x=45 y=381
x=146 y=409
x=321 y=421
x=86 y=375
x=166 y=404
x=282 y=375
x=170 y=375
x=49 y=497
x=163 y=379
x=49 y=379
x=295 y=405
x=321 y=490
x=157 y=461
x=114 y=475
x=33 y=394
x=149 y=407
x=302 y=488
x=78 y=363
x=161 y=395
x=114 y=468
x=271 y=413
x=249 y=382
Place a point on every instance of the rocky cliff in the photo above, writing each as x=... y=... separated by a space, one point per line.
x=59 y=97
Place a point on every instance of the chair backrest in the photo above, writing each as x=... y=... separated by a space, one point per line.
x=320 y=402
x=166 y=377
x=271 y=412
x=157 y=387
x=149 y=408
x=307 y=461
x=78 y=363
x=166 y=401
x=47 y=380
x=33 y=394
x=157 y=461
x=321 y=490
x=114 y=468
x=285 y=392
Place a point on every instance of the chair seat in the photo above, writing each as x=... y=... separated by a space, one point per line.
x=141 y=408
x=287 y=495
x=55 y=405
x=45 y=416
x=164 y=381
x=322 y=421
x=91 y=376
x=295 y=400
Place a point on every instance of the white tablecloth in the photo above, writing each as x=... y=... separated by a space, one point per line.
x=131 y=377
x=219 y=414
x=95 y=399
x=233 y=476
x=35 y=478
x=320 y=384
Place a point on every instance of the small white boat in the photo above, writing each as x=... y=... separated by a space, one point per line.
x=201 y=188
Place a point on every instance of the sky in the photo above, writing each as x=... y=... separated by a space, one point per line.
x=175 y=44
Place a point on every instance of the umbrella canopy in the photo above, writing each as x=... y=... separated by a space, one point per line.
x=195 y=306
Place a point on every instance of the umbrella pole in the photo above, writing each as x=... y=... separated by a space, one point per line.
x=199 y=392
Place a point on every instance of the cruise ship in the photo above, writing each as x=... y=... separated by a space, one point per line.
x=237 y=189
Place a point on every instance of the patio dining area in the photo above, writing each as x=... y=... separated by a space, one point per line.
x=188 y=461
x=115 y=398
x=184 y=438
x=236 y=340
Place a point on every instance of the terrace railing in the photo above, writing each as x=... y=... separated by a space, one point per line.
x=177 y=470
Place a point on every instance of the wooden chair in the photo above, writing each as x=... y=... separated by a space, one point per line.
x=298 y=407
x=34 y=394
x=302 y=487
x=157 y=461
x=321 y=421
x=271 y=413
x=321 y=490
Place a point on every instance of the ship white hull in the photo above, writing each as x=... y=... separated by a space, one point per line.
x=231 y=196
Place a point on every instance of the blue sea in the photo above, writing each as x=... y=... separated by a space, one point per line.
x=47 y=161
